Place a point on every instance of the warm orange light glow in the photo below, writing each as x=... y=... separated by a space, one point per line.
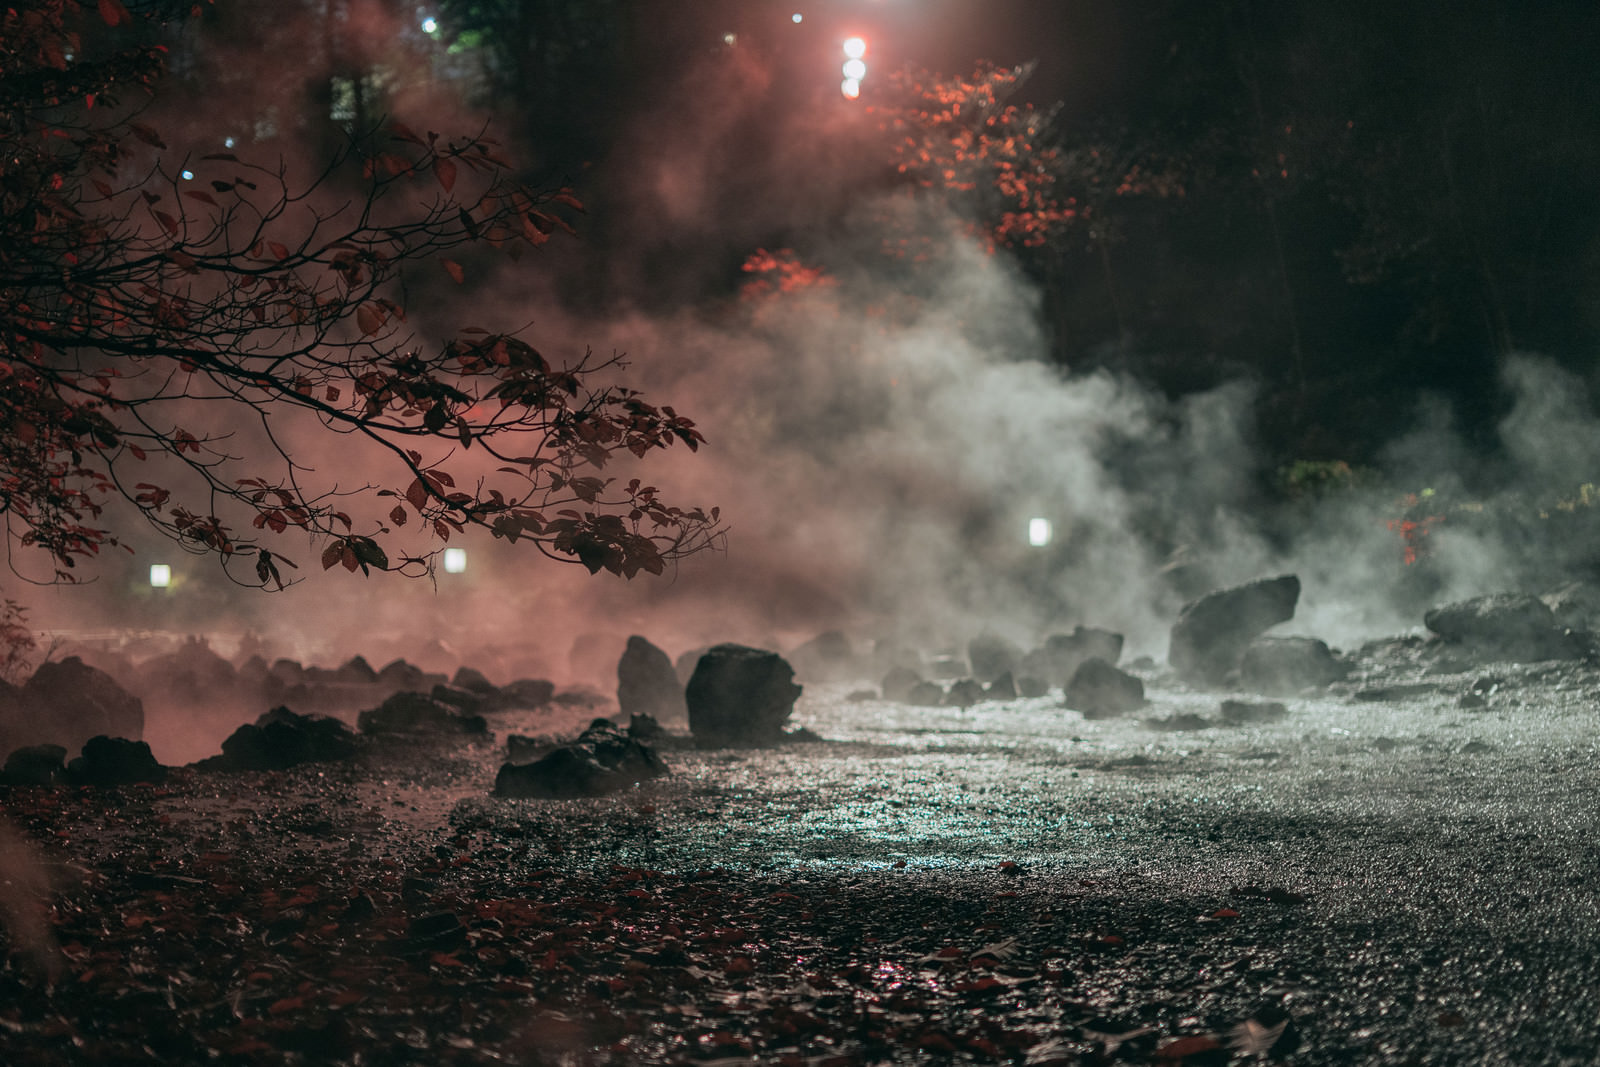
x=850 y=88
x=855 y=47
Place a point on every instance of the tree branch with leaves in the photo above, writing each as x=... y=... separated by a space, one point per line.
x=137 y=290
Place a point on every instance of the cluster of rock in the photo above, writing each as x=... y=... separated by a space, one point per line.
x=104 y=761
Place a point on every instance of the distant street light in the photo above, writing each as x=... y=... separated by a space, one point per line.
x=855 y=67
x=430 y=24
x=160 y=575
x=1039 y=532
x=455 y=560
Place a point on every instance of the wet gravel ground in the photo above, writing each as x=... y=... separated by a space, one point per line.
x=1397 y=880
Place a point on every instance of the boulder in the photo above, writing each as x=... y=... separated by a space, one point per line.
x=1099 y=690
x=1030 y=686
x=115 y=761
x=828 y=657
x=193 y=674
x=991 y=656
x=926 y=695
x=418 y=713
x=280 y=739
x=1212 y=633
x=1506 y=626
x=1286 y=665
x=472 y=680
x=740 y=696
x=67 y=702
x=356 y=671
x=602 y=760
x=35 y=765
x=463 y=700
x=1002 y=688
x=899 y=682
x=1576 y=605
x=964 y=693
x=1057 y=660
x=647 y=683
x=523 y=693
x=400 y=676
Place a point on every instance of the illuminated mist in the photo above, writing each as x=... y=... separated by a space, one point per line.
x=878 y=448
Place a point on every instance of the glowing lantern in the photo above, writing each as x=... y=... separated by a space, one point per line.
x=797 y=18
x=455 y=560
x=850 y=88
x=1039 y=532
x=854 y=69
x=855 y=48
x=160 y=575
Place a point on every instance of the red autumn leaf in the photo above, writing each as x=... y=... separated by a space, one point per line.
x=370 y=319
x=398 y=515
x=417 y=494
x=1185 y=1047
x=454 y=270
x=114 y=13
x=444 y=169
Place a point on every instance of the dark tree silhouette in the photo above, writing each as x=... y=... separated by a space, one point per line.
x=138 y=293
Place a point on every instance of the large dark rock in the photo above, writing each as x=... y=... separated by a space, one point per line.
x=1057 y=660
x=647 y=683
x=417 y=713
x=602 y=760
x=1506 y=626
x=1281 y=666
x=1099 y=690
x=925 y=695
x=1212 y=633
x=65 y=703
x=35 y=765
x=740 y=696
x=991 y=655
x=828 y=657
x=472 y=680
x=281 y=739
x=115 y=761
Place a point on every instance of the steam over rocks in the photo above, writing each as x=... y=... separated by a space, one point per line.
x=740 y=696
x=1506 y=626
x=1281 y=666
x=1212 y=633
x=991 y=655
x=66 y=703
x=647 y=682
x=1058 y=659
x=1099 y=690
x=828 y=657
x=413 y=713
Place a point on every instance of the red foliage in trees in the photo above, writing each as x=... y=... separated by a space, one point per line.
x=132 y=296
